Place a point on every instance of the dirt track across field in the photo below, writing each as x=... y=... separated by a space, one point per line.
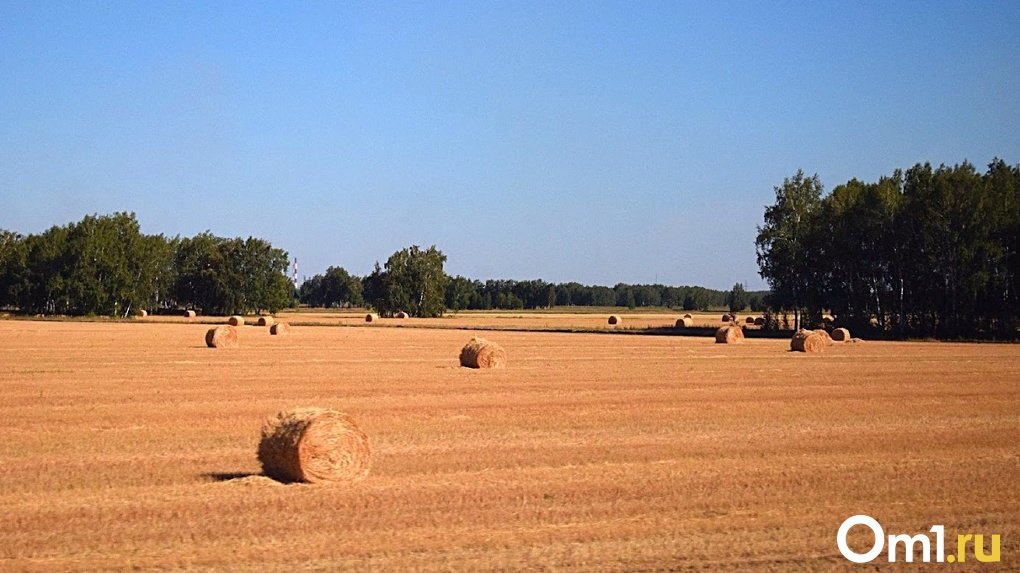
x=131 y=446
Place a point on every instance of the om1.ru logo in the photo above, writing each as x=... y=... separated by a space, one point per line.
x=909 y=543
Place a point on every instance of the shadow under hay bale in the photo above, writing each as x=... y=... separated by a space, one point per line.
x=266 y=321
x=314 y=445
x=481 y=353
x=279 y=329
x=807 y=341
x=221 y=337
x=731 y=334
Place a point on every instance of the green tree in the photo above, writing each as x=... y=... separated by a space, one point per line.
x=412 y=281
x=738 y=299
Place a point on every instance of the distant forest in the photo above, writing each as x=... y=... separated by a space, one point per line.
x=926 y=252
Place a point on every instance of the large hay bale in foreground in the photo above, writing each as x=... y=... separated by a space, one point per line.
x=236 y=320
x=807 y=341
x=279 y=329
x=841 y=335
x=401 y=314
x=825 y=336
x=221 y=337
x=266 y=321
x=684 y=322
x=371 y=317
x=314 y=445
x=189 y=314
x=614 y=319
x=731 y=334
x=481 y=353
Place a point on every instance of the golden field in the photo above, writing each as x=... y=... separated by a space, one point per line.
x=131 y=446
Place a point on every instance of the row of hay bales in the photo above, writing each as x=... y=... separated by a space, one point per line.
x=812 y=341
x=374 y=317
x=687 y=320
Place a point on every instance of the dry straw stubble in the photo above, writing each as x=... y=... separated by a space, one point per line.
x=314 y=445
x=221 y=337
x=731 y=334
x=481 y=353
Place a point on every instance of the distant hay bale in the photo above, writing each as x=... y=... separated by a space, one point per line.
x=759 y=321
x=827 y=320
x=221 y=337
x=725 y=318
x=841 y=335
x=481 y=353
x=731 y=334
x=688 y=316
x=236 y=320
x=371 y=317
x=825 y=336
x=807 y=341
x=279 y=329
x=314 y=445
x=402 y=314
x=684 y=322
x=142 y=313
x=189 y=314
x=749 y=320
x=266 y=321
x=614 y=319
x=873 y=321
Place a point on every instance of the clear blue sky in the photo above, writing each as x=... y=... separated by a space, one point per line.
x=587 y=141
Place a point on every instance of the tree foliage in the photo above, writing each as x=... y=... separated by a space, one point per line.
x=412 y=281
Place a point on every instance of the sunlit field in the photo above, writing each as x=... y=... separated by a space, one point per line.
x=131 y=446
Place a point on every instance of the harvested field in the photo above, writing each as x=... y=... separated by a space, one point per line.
x=131 y=446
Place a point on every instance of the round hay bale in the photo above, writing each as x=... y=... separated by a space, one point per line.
x=749 y=320
x=279 y=329
x=614 y=319
x=266 y=321
x=221 y=337
x=402 y=314
x=142 y=313
x=189 y=314
x=807 y=341
x=684 y=322
x=314 y=445
x=825 y=336
x=759 y=321
x=731 y=334
x=480 y=353
x=236 y=320
x=688 y=316
x=841 y=335
x=371 y=317
x=725 y=318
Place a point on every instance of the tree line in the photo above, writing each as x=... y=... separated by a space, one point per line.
x=927 y=252
x=105 y=265
x=413 y=281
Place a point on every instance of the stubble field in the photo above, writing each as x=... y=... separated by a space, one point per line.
x=131 y=446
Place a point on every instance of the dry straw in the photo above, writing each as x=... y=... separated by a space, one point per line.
x=480 y=353
x=266 y=321
x=314 y=445
x=371 y=317
x=731 y=334
x=279 y=329
x=402 y=314
x=614 y=319
x=684 y=322
x=221 y=337
x=808 y=341
x=236 y=320
x=841 y=335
